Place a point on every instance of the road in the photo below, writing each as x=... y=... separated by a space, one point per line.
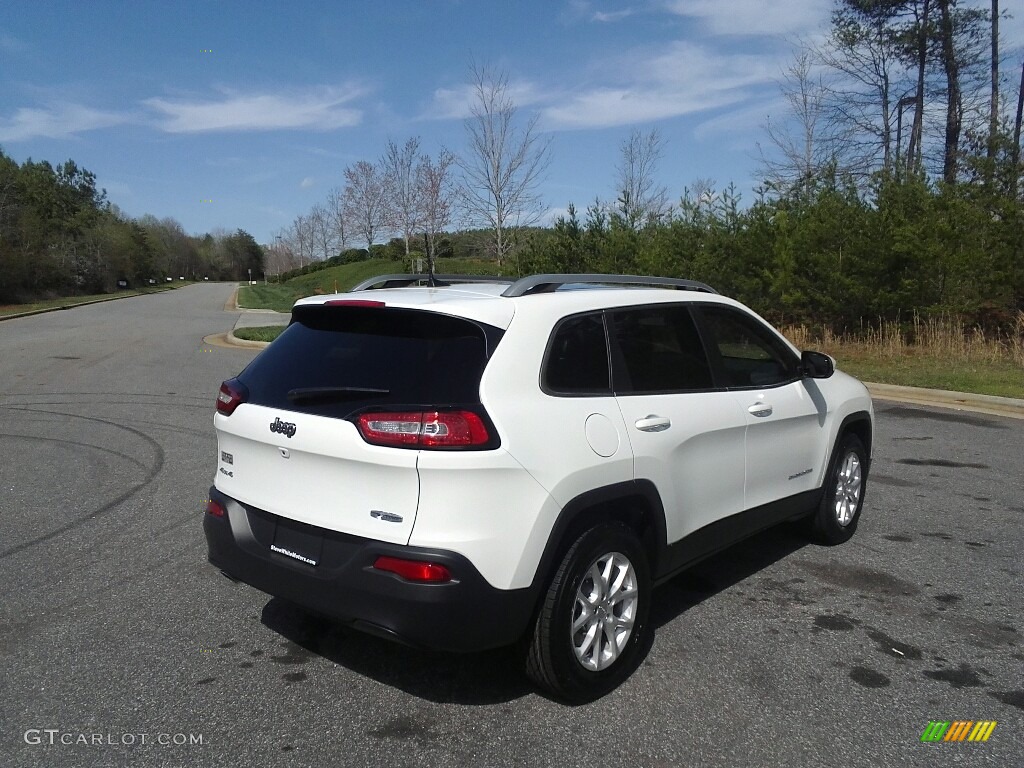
x=114 y=630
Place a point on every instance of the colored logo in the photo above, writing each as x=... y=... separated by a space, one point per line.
x=958 y=730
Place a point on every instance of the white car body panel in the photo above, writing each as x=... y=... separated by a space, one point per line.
x=331 y=477
x=486 y=506
x=697 y=463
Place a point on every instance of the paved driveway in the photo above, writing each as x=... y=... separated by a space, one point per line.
x=116 y=633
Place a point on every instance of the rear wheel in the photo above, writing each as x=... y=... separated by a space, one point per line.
x=591 y=627
x=843 y=494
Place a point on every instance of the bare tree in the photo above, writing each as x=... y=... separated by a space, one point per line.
x=301 y=237
x=503 y=165
x=435 y=198
x=321 y=231
x=993 y=120
x=281 y=253
x=804 y=143
x=366 y=201
x=398 y=165
x=872 y=77
x=1015 y=149
x=954 y=100
x=336 y=217
x=921 y=62
x=641 y=200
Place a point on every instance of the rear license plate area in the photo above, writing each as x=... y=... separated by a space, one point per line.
x=300 y=543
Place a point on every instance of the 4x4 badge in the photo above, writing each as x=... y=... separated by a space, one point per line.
x=285 y=428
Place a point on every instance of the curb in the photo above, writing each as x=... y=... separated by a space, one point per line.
x=232 y=339
x=80 y=304
x=963 y=401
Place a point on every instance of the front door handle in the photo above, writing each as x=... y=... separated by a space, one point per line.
x=652 y=423
x=760 y=410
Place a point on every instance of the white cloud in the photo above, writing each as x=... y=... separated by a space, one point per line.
x=456 y=103
x=684 y=79
x=320 y=109
x=612 y=15
x=743 y=120
x=551 y=215
x=306 y=183
x=56 y=121
x=755 y=17
x=584 y=10
x=10 y=44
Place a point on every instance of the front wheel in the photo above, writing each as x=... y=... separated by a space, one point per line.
x=591 y=627
x=843 y=493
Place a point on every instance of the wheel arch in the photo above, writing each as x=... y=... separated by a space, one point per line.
x=859 y=424
x=635 y=503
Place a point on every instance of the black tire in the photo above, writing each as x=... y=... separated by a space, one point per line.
x=552 y=661
x=838 y=513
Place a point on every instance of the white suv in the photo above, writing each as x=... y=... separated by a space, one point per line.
x=474 y=461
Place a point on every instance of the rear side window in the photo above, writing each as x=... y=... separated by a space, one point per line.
x=576 y=362
x=334 y=361
x=657 y=349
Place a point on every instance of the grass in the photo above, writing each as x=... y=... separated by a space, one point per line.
x=277 y=297
x=939 y=353
x=70 y=301
x=281 y=296
x=260 y=332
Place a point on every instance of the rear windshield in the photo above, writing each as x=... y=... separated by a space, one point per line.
x=336 y=361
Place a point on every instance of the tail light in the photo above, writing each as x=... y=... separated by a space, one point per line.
x=232 y=394
x=414 y=570
x=214 y=508
x=424 y=429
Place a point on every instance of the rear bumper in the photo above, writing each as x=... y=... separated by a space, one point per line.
x=466 y=614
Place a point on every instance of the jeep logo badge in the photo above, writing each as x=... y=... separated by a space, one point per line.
x=285 y=428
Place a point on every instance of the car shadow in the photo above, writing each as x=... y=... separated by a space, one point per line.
x=496 y=676
x=487 y=677
x=719 y=572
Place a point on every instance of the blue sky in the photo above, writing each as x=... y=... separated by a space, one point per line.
x=258 y=106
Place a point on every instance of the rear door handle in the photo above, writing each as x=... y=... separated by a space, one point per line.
x=652 y=423
x=760 y=409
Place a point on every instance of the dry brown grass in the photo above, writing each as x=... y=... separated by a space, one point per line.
x=945 y=337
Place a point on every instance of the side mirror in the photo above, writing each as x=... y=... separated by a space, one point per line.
x=815 y=365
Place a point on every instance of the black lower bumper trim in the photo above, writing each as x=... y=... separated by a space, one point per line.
x=465 y=614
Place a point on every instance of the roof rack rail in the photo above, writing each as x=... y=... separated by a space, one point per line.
x=402 y=281
x=548 y=283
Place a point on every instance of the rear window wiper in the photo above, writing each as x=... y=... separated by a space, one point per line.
x=335 y=393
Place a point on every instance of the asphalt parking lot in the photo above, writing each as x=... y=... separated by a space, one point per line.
x=119 y=644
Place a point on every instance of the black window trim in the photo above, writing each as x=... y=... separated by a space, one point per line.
x=618 y=362
x=774 y=339
x=542 y=374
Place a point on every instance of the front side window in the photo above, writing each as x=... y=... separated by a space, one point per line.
x=749 y=354
x=658 y=349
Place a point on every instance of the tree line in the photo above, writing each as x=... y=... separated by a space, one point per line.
x=863 y=214
x=891 y=186
x=59 y=236
x=491 y=187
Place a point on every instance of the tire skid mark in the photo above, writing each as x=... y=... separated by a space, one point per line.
x=124 y=456
x=151 y=475
x=204 y=405
x=191 y=516
x=162 y=425
x=161 y=396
